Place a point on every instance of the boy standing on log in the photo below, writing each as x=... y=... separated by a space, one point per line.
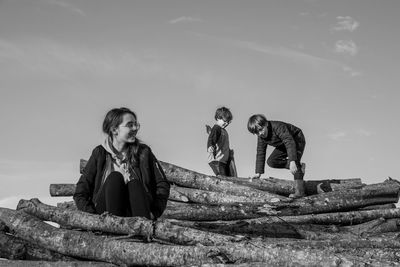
x=218 y=143
x=289 y=143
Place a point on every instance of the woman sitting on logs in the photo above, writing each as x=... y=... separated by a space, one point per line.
x=122 y=176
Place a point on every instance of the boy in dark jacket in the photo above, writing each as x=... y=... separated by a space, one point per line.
x=218 y=143
x=289 y=144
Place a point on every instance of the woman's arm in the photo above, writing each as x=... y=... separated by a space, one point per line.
x=162 y=187
x=85 y=186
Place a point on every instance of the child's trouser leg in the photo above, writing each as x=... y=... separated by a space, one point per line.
x=113 y=195
x=278 y=158
x=219 y=168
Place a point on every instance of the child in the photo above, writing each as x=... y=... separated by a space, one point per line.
x=218 y=143
x=289 y=144
x=122 y=176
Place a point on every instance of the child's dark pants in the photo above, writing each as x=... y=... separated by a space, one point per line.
x=219 y=168
x=122 y=199
x=279 y=157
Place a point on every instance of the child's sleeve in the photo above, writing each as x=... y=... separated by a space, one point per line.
x=214 y=136
x=260 y=157
x=287 y=138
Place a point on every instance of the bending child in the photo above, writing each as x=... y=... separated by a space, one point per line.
x=122 y=176
x=218 y=143
x=289 y=143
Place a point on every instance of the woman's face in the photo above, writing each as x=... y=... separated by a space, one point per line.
x=127 y=130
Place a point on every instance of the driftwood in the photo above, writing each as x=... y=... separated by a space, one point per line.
x=11 y=247
x=14 y=248
x=137 y=226
x=286 y=187
x=181 y=194
x=200 y=212
x=379 y=207
x=335 y=218
x=349 y=199
x=89 y=246
x=32 y=263
x=301 y=231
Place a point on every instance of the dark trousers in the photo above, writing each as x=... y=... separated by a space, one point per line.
x=219 y=168
x=120 y=199
x=279 y=157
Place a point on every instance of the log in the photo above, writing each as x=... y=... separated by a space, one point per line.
x=31 y=263
x=379 y=207
x=89 y=246
x=137 y=226
x=14 y=248
x=301 y=231
x=349 y=199
x=286 y=187
x=192 y=179
x=178 y=193
x=335 y=218
x=11 y=248
x=201 y=212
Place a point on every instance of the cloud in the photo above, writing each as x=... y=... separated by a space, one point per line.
x=352 y=72
x=337 y=135
x=355 y=133
x=346 y=23
x=346 y=47
x=62 y=4
x=185 y=19
x=284 y=52
x=364 y=132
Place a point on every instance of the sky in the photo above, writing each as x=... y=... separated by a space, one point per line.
x=328 y=67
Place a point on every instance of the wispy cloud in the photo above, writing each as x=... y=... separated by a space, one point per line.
x=346 y=23
x=352 y=72
x=364 y=132
x=284 y=52
x=346 y=47
x=337 y=135
x=185 y=19
x=345 y=134
x=65 y=5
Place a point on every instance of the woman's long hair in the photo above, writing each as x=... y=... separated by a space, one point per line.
x=111 y=121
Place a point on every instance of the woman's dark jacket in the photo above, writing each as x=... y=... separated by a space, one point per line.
x=151 y=174
x=278 y=134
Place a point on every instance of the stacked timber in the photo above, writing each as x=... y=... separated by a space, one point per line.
x=215 y=221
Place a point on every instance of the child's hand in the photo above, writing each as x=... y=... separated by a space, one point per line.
x=293 y=167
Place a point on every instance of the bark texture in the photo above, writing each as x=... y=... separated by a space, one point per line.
x=137 y=226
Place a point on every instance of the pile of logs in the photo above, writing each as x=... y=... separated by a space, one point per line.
x=215 y=221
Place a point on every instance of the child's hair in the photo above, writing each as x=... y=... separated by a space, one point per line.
x=256 y=123
x=223 y=113
x=112 y=120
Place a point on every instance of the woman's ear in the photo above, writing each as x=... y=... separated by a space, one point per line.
x=114 y=131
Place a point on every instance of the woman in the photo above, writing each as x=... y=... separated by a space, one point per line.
x=122 y=176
